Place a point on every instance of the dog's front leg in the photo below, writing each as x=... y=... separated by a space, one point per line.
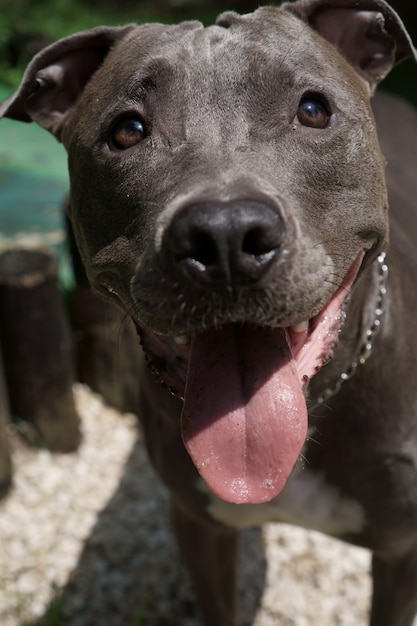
x=211 y=554
x=394 y=601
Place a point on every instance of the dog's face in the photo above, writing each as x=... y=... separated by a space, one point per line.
x=254 y=111
x=226 y=189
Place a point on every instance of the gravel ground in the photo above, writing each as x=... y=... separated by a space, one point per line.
x=92 y=526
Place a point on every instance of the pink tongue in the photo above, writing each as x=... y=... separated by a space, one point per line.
x=244 y=419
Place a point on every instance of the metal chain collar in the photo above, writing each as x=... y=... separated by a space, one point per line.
x=367 y=347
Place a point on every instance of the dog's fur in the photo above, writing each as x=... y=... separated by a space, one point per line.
x=227 y=187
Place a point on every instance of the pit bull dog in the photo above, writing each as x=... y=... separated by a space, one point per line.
x=229 y=192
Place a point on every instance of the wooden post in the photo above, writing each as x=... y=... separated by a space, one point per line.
x=37 y=347
x=108 y=349
x=107 y=346
x=5 y=461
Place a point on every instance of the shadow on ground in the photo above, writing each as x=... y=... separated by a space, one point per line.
x=129 y=572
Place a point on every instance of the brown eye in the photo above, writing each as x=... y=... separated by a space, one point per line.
x=126 y=134
x=313 y=112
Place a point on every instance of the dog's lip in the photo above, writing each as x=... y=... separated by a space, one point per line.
x=167 y=356
x=323 y=329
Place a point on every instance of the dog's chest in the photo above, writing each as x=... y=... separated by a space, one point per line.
x=307 y=501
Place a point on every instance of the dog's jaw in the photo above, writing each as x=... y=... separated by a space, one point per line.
x=244 y=427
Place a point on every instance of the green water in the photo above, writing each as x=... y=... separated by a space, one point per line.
x=33 y=179
x=33 y=187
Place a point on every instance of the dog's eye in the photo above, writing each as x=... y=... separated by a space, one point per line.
x=313 y=112
x=126 y=134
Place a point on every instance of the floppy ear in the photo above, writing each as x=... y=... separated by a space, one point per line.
x=56 y=76
x=368 y=33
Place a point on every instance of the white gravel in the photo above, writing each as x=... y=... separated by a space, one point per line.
x=93 y=525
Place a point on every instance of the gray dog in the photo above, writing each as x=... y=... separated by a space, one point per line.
x=228 y=191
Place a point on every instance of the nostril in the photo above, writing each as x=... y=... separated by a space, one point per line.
x=202 y=249
x=260 y=242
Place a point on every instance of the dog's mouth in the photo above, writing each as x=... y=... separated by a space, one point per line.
x=244 y=418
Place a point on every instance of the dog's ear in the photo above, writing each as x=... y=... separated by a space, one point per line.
x=56 y=76
x=368 y=33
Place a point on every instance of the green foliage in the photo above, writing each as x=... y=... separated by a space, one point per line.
x=52 y=19
x=53 y=613
x=9 y=76
x=58 y=18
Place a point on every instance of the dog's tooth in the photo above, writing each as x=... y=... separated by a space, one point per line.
x=301 y=327
x=182 y=340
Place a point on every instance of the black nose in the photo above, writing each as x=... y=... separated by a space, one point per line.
x=231 y=243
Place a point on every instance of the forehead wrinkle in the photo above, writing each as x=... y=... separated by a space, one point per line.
x=205 y=52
